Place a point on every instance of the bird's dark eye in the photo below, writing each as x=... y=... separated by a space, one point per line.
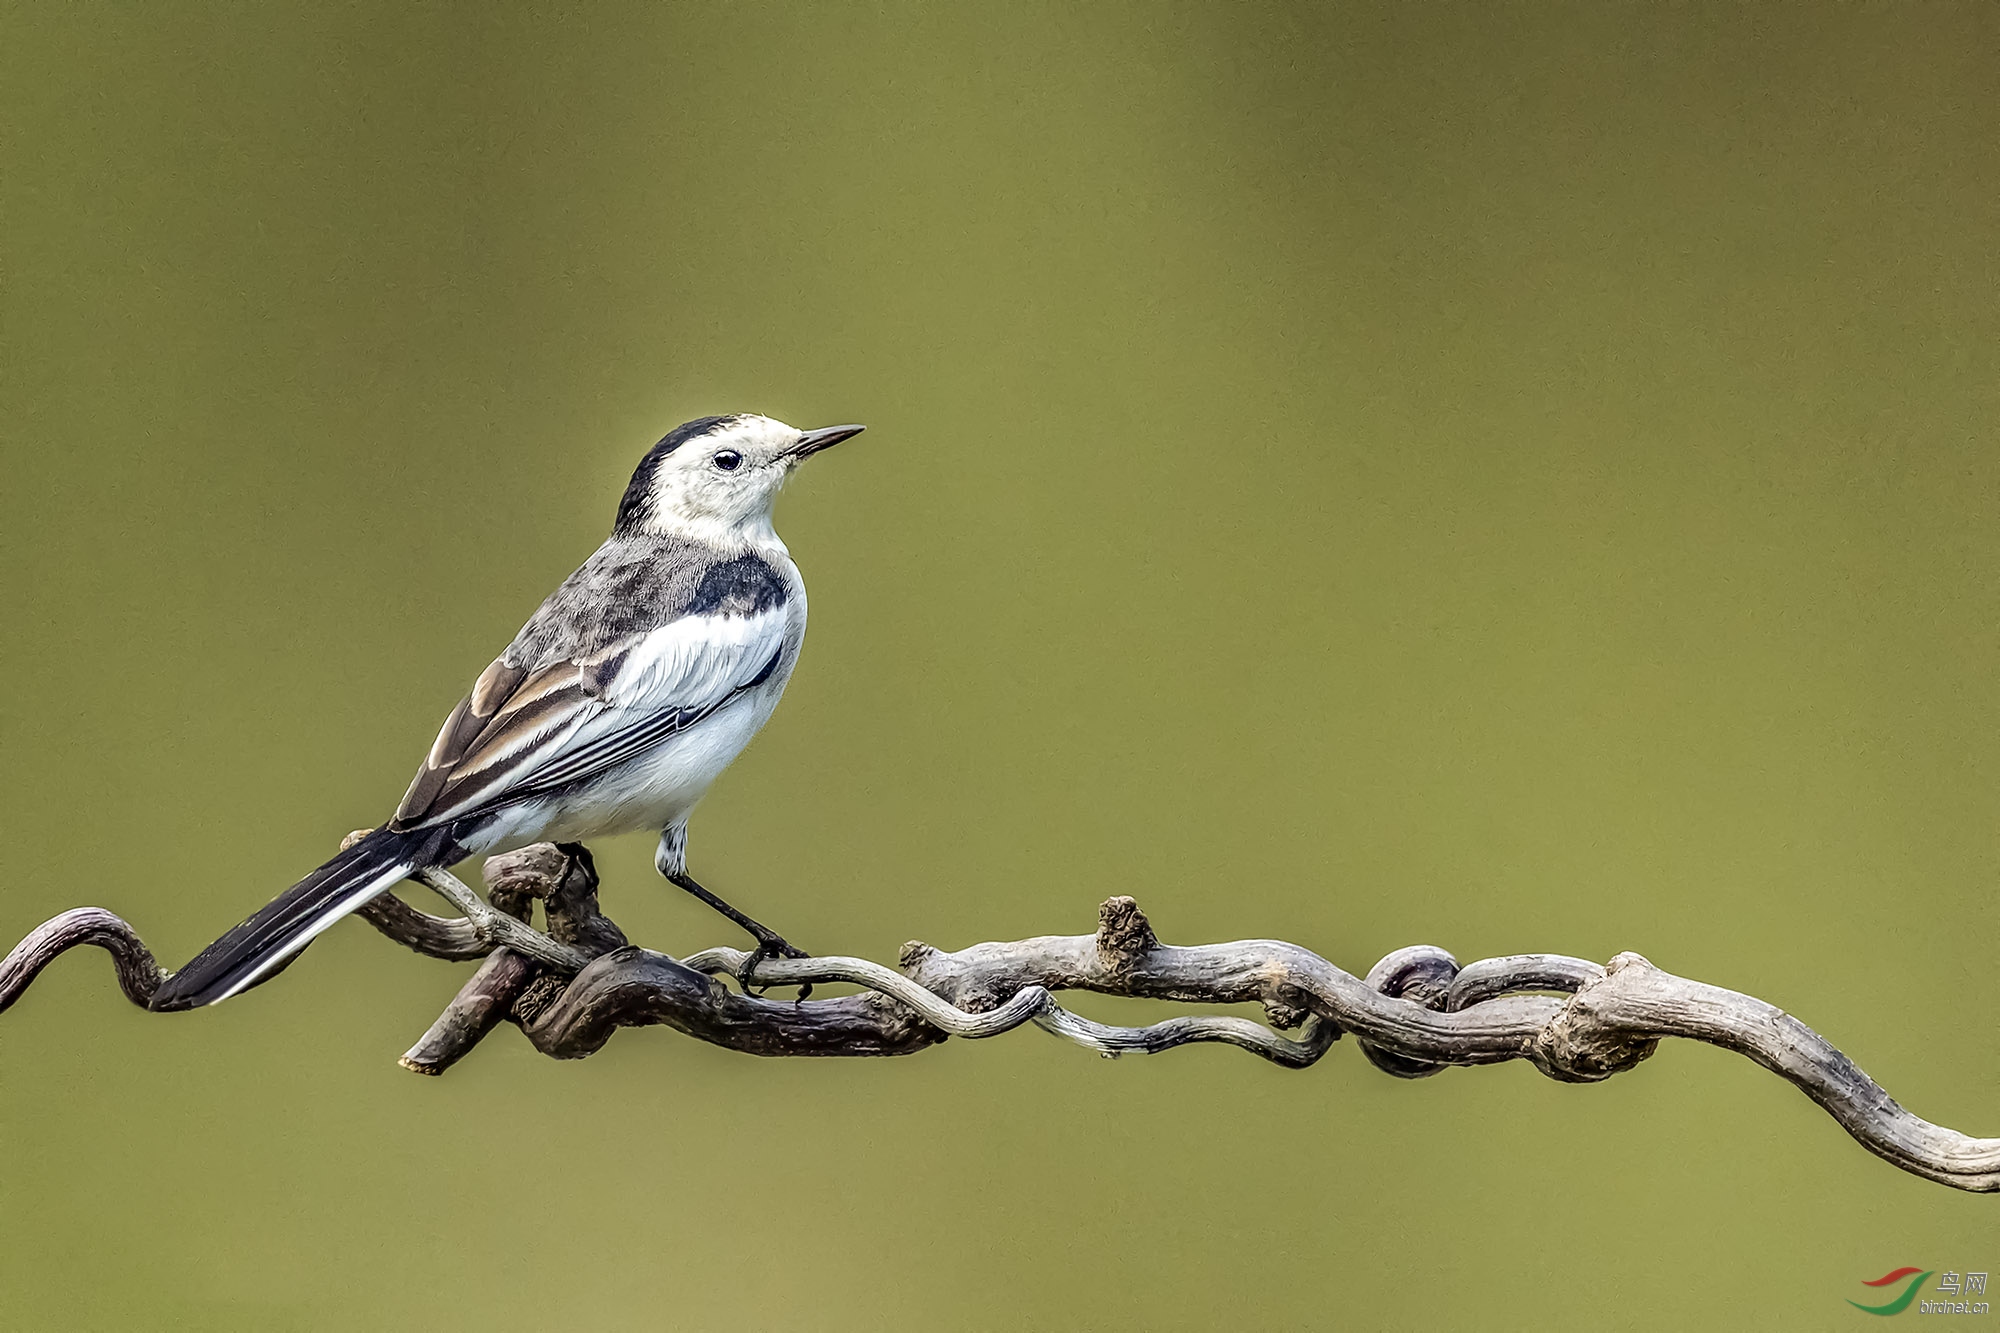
x=728 y=460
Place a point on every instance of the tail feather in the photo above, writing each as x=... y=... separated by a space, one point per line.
x=260 y=946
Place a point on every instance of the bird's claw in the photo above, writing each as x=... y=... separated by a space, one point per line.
x=576 y=856
x=767 y=949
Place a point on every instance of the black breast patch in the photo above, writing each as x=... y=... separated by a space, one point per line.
x=744 y=586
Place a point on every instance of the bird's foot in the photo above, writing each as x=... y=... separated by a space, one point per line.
x=769 y=945
x=576 y=856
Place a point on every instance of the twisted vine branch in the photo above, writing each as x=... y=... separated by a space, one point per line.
x=570 y=987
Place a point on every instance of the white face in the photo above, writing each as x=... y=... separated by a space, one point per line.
x=721 y=483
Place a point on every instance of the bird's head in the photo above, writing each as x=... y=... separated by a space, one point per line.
x=716 y=478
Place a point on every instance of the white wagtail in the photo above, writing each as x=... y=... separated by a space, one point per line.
x=614 y=708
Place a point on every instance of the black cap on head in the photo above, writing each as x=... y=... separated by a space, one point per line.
x=638 y=497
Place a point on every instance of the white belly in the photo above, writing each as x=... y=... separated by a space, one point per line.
x=647 y=792
x=662 y=786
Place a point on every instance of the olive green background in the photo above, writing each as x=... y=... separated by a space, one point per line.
x=1512 y=477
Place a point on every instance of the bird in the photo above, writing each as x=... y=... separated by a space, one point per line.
x=621 y=700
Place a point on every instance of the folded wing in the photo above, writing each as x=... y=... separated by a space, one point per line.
x=523 y=732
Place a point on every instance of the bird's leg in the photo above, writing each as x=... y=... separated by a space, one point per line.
x=770 y=944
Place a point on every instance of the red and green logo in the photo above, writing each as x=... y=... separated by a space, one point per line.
x=1910 y=1277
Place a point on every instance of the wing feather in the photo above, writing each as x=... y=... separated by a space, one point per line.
x=521 y=733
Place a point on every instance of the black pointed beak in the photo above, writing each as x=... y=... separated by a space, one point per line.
x=824 y=438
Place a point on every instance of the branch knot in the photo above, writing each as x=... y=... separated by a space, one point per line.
x=1124 y=936
x=1585 y=1042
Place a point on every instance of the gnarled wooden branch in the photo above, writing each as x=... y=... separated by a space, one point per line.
x=571 y=986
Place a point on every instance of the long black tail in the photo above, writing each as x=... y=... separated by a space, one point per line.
x=264 y=943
